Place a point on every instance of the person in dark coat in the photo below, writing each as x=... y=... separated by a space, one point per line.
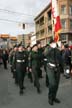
x=34 y=65
x=45 y=64
x=5 y=58
x=67 y=55
x=53 y=70
x=11 y=61
x=20 y=64
x=28 y=60
x=67 y=60
x=40 y=53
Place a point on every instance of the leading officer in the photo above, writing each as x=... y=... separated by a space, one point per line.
x=53 y=71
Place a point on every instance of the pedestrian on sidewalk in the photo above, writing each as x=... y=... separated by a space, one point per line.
x=5 y=58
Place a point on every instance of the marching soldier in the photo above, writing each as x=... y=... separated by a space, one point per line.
x=28 y=56
x=40 y=53
x=20 y=64
x=11 y=60
x=53 y=69
x=34 y=64
x=45 y=64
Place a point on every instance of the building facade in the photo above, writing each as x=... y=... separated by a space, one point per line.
x=43 y=23
x=25 y=39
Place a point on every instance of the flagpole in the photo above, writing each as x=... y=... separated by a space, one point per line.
x=52 y=21
x=52 y=28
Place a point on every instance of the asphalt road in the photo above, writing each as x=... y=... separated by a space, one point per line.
x=10 y=98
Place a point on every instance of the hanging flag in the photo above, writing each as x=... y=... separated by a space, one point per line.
x=56 y=20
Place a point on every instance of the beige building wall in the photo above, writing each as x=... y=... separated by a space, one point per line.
x=24 y=38
x=43 y=22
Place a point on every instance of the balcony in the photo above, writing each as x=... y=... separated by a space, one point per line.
x=49 y=22
x=42 y=27
x=37 y=28
x=66 y=30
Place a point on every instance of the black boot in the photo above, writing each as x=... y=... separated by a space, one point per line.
x=57 y=100
x=51 y=102
x=38 y=90
x=31 y=80
x=23 y=87
x=34 y=84
x=21 y=92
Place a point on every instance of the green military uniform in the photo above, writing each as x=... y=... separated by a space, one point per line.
x=40 y=53
x=28 y=60
x=20 y=64
x=11 y=59
x=53 y=71
x=45 y=65
x=34 y=64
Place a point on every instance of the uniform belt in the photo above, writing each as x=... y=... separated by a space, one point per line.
x=45 y=59
x=53 y=65
x=20 y=61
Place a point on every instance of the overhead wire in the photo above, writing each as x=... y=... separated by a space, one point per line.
x=19 y=13
x=8 y=20
x=23 y=14
x=14 y=12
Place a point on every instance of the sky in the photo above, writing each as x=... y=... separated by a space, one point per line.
x=26 y=11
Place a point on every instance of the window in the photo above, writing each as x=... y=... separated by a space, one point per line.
x=63 y=37
x=49 y=29
x=42 y=21
x=63 y=9
x=42 y=32
x=70 y=9
x=49 y=15
x=70 y=23
x=63 y=23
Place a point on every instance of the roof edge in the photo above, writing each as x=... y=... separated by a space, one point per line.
x=42 y=11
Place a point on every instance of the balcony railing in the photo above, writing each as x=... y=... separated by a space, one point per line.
x=49 y=22
x=65 y=30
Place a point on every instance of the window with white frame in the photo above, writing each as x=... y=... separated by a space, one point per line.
x=63 y=37
x=63 y=9
x=70 y=9
x=63 y=23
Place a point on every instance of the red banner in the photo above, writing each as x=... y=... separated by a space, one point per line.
x=56 y=19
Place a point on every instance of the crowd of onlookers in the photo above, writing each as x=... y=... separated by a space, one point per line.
x=4 y=55
x=66 y=53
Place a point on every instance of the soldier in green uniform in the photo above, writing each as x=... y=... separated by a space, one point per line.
x=20 y=64
x=53 y=71
x=34 y=65
x=40 y=53
x=11 y=60
x=45 y=64
x=28 y=60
